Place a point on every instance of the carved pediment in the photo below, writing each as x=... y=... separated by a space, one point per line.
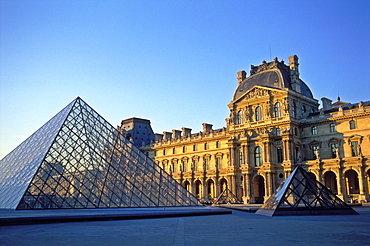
x=256 y=92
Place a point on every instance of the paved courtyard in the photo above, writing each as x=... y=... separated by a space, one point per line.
x=238 y=228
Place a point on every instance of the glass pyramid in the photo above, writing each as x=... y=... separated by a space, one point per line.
x=299 y=194
x=78 y=160
x=227 y=197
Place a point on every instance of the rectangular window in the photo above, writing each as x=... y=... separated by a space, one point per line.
x=195 y=165
x=218 y=144
x=314 y=130
x=315 y=151
x=164 y=151
x=184 y=166
x=240 y=158
x=173 y=151
x=206 y=164
x=332 y=127
x=194 y=147
x=218 y=162
x=184 y=149
x=278 y=132
x=354 y=148
x=352 y=124
x=334 y=149
x=279 y=154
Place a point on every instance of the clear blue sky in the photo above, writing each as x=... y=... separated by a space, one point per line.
x=173 y=62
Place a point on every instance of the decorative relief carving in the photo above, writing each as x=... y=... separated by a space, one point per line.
x=269 y=65
x=256 y=93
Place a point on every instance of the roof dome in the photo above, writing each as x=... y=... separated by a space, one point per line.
x=274 y=74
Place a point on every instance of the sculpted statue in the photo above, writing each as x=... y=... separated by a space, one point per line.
x=267 y=111
x=286 y=105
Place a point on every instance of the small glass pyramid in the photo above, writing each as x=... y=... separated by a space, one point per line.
x=78 y=160
x=299 y=194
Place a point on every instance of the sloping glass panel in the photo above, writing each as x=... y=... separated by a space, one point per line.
x=20 y=165
x=81 y=161
x=299 y=194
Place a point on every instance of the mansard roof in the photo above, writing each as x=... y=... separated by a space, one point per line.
x=273 y=74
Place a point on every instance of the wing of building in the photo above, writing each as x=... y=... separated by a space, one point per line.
x=275 y=124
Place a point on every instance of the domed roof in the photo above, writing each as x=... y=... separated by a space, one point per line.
x=274 y=74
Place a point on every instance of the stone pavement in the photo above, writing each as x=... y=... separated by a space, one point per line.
x=238 y=228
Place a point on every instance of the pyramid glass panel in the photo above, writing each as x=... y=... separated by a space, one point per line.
x=79 y=160
x=299 y=194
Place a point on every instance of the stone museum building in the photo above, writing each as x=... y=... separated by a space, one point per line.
x=275 y=124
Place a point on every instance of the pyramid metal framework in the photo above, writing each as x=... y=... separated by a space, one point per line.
x=227 y=197
x=78 y=160
x=300 y=194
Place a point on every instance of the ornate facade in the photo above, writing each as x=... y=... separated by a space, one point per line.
x=275 y=123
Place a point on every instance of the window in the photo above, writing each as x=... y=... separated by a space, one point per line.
x=173 y=151
x=218 y=144
x=258 y=113
x=195 y=165
x=315 y=151
x=240 y=157
x=294 y=109
x=314 y=130
x=277 y=110
x=183 y=149
x=278 y=131
x=205 y=146
x=206 y=163
x=164 y=151
x=194 y=147
x=239 y=116
x=184 y=166
x=334 y=149
x=303 y=109
x=258 y=156
x=355 y=148
x=332 y=127
x=218 y=162
x=352 y=124
x=279 y=154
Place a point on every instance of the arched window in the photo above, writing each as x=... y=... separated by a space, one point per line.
x=294 y=109
x=303 y=109
x=239 y=116
x=258 y=156
x=258 y=113
x=277 y=110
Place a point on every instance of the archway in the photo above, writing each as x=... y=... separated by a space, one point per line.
x=259 y=189
x=187 y=185
x=352 y=184
x=223 y=185
x=331 y=181
x=198 y=189
x=210 y=189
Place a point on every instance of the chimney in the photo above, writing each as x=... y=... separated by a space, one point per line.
x=294 y=73
x=176 y=133
x=167 y=135
x=158 y=137
x=207 y=127
x=326 y=103
x=186 y=132
x=241 y=76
